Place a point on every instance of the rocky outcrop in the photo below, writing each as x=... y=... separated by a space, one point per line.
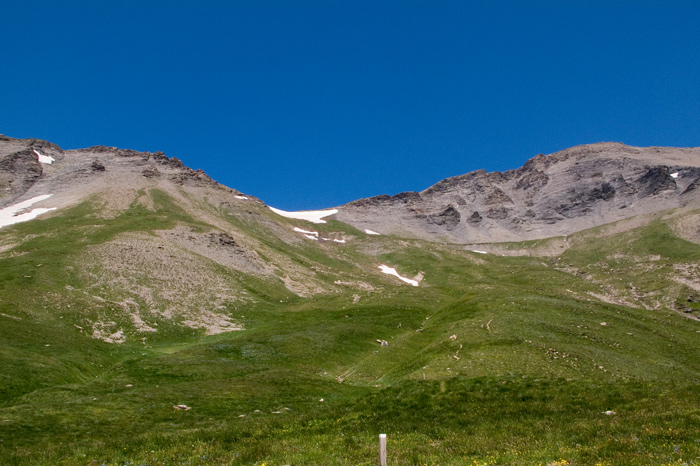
x=193 y=177
x=18 y=172
x=656 y=180
x=151 y=172
x=449 y=218
x=97 y=166
x=694 y=185
x=222 y=239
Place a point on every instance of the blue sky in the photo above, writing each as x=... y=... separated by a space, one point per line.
x=311 y=104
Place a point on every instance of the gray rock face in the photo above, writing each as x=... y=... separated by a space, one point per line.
x=551 y=195
x=19 y=165
x=18 y=172
x=450 y=218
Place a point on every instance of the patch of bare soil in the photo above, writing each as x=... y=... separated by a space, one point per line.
x=688 y=227
x=550 y=247
x=220 y=247
x=105 y=331
x=151 y=279
x=303 y=288
x=611 y=297
x=688 y=275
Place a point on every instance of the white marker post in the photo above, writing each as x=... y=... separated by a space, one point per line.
x=382 y=449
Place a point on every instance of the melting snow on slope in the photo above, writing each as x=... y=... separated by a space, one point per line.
x=315 y=236
x=479 y=252
x=370 y=232
x=391 y=271
x=11 y=215
x=299 y=230
x=309 y=234
x=44 y=158
x=674 y=175
x=313 y=216
x=241 y=197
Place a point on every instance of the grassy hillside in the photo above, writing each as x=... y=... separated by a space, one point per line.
x=585 y=358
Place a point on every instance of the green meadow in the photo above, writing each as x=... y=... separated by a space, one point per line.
x=586 y=358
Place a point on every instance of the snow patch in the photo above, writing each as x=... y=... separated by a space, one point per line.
x=674 y=175
x=313 y=216
x=44 y=158
x=11 y=215
x=314 y=235
x=305 y=232
x=370 y=232
x=392 y=271
x=241 y=197
x=478 y=252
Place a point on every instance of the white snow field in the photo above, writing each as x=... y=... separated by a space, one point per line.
x=313 y=216
x=674 y=175
x=370 y=232
x=391 y=271
x=11 y=215
x=44 y=158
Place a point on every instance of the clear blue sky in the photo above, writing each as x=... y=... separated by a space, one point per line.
x=314 y=103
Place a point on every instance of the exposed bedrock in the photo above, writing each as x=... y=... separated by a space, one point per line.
x=550 y=195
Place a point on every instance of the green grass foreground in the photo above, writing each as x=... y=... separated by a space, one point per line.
x=492 y=361
x=481 y=421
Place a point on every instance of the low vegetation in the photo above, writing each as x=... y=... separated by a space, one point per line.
x=587 y=358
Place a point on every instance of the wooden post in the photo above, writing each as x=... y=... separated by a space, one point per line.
x=382 y=449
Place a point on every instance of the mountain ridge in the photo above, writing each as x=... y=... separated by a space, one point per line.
x=550 y=195
x=475 y=207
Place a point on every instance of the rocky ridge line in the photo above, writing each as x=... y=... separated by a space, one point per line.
x=550 y=195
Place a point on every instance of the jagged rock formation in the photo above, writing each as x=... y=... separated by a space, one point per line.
x=551 y=195
x=19 y=165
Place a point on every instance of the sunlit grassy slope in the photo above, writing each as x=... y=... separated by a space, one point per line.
x=492 y=360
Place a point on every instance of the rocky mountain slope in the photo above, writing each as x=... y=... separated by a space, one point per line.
x=149 y=243
x=159 y=243
x=30 y=167
x=551 y=195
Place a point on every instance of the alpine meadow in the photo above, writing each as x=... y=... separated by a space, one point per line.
x=546 y=315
